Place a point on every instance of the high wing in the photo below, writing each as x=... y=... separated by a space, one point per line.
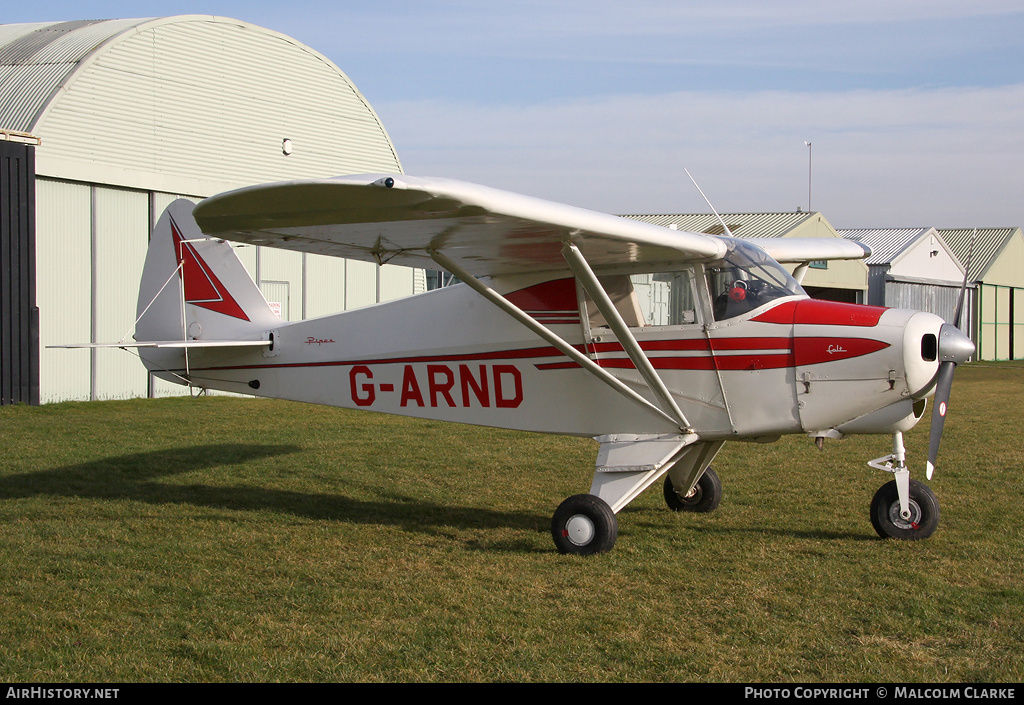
x=398 y=219
x=798 y=249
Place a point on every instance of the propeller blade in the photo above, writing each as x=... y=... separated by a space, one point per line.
x=954 y=348
x=943 y=386
x=958 y=316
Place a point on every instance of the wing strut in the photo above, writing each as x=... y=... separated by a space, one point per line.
x=593 y=286
x=545 y=333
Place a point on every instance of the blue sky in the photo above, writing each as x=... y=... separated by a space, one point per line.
x=915 y=109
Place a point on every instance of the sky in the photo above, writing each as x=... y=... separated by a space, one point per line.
x=914 y=109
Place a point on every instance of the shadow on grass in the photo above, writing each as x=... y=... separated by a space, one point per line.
x=812 y=534
x=132 y=477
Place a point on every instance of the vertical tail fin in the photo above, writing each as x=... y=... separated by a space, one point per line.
x=195 y=289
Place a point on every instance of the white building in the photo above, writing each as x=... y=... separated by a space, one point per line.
x=913 y=268
x=122 y=117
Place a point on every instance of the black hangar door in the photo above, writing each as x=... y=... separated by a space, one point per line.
x=19 y=317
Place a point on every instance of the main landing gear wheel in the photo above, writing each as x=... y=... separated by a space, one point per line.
x=584 y=525
x=704 y=497
x=924 y=512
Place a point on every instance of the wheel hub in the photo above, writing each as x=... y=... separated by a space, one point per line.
x=579 y=529
x=912 y=521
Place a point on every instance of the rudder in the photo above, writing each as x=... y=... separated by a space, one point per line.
x=194 y=288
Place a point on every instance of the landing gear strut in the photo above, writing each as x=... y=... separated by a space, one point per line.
x=903 y=508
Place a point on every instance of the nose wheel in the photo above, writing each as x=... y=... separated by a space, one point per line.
x=918 y=522
x=903 y=508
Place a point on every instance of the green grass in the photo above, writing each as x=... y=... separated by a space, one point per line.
x=220 y=539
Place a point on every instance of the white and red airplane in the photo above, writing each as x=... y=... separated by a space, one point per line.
x=545 y=333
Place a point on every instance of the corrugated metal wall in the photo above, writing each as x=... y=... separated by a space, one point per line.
x=934 y=298
x=199 y=101
x=36 y=59
x=92 y=245
x=64 y=287
x=19 y=322
x=120 y=220
x=135 y=113
x=92 y=242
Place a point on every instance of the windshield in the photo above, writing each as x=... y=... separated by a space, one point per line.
x=745 y=279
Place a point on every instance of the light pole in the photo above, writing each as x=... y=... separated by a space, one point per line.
x=808 y=176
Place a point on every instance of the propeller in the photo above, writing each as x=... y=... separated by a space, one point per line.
x=955 y=347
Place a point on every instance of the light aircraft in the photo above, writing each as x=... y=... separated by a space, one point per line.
x=545 y=333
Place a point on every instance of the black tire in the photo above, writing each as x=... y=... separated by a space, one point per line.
x=924 y=512
x=584 y=525
x=706 y=495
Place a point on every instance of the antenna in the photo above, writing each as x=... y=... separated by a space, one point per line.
x=727 y=231
x=808 y=144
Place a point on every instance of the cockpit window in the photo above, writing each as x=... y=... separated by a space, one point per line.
x=745 y=279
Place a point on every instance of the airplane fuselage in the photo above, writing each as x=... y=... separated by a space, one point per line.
x=792 y=365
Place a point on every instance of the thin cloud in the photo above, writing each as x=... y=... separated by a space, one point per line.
x=912 y=107
x=881 y=158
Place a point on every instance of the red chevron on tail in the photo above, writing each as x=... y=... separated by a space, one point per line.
x=201 y=286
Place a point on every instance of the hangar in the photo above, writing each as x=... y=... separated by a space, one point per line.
x=102 y=124
x=913 y=268
x=996 y=259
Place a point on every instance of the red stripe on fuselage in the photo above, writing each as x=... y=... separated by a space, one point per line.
x=520 y=354
x=822 y=313
x=737 y=353
x=730 y=354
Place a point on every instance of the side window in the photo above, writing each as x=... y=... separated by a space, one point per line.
x=666 y=298
x=620 y=290
x=659 y=299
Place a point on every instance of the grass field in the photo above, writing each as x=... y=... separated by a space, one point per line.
x=225 y=539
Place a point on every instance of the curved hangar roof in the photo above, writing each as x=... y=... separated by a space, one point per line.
x=192 y=104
